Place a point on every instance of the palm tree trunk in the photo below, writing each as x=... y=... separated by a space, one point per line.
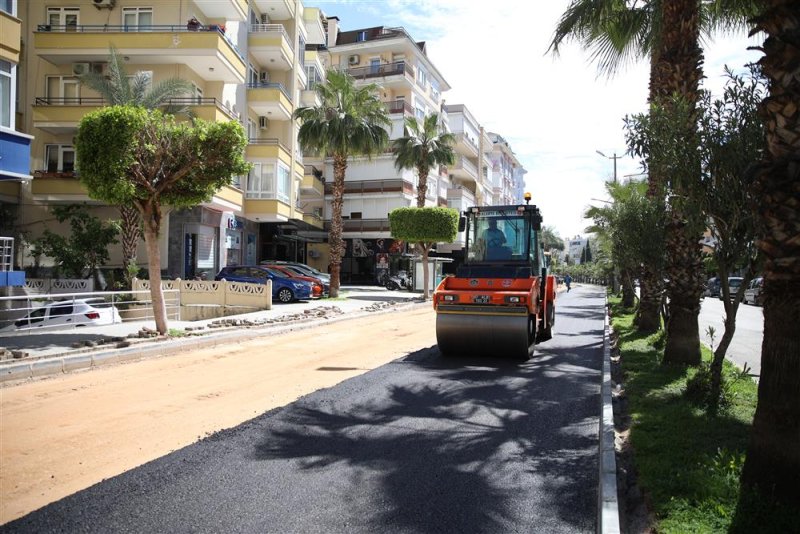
x=685 y=286
x=628 y=295
x=773 y=457
x=131 y=235
x=426 y=283
x=651 y=283
x=335 y=235
x=677 y=73
x=422 y=185
x=151 y=217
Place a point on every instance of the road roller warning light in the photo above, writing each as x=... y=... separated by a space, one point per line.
x=501 y=302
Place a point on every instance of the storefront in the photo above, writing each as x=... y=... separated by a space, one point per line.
x=365 y=260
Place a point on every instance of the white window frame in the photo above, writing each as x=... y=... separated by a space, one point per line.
x=63 y=13
x=137 y=12
x=283 y=180
x=422 y=77
x=261 y=181
x=7 y=94
x=63 y=81
x=62 y=149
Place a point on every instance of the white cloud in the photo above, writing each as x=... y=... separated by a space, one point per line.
x=554 y=111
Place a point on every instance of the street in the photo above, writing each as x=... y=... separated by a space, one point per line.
x=388 y=437
x=746 y=344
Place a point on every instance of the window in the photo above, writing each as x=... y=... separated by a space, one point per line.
x=302 y=48
x=62 y=89
x=67 y=17
x=284 y=184
x=422 y=77
x=362 y=36
x=313 y=75
x=419 y=113
x=6 y=100
x=61 y=309
x=60 y=158
x=133 y=18
x=7 y=6
x=252 y=75
x=261 y=181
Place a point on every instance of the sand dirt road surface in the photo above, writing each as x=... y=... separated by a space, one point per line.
x=63 y=434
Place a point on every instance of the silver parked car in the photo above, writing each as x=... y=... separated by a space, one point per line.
x=754 y=293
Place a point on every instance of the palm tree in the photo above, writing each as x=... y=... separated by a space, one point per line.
x=773 y=458
x=349 y=121
x=425 y=145
x=668 y=34
x=119 y=88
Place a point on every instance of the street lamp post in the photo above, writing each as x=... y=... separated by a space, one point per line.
x=615 y=158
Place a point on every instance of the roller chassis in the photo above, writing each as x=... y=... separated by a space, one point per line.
x=498 y=307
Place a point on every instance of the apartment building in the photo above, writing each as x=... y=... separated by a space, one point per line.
x=507 y=173
x=466 y=182
x=246 y=61
x=410 y=85
x=14 y=144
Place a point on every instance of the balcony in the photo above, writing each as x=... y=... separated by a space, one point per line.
x=223 y=9
x=396 y=107
x=314 y=27
x=227 y=198
x=57 y=186
x=314 y=220
x=466 y=146
x=464 y=169
x=313 y=184
x=309 y=98
x=387 y=74
x=10 y=28
x=374 y=186
x=62 y=115
x=270 y=100
x=207 y=51
x=270 y=148
x=267 y=210
x=271 y=46
x=276 y=9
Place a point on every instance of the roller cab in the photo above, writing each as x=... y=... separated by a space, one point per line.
x=501 y=300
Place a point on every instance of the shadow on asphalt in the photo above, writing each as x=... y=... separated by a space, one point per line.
x=457 y=444
x=385 y=299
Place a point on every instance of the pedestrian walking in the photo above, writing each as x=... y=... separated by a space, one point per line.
x=568 y=281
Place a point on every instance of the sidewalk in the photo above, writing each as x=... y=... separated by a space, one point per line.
x=58 y=351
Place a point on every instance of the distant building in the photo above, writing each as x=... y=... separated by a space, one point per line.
x=575 y=247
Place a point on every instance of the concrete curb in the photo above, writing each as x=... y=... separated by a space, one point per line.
x=608 y=504
x=61 y=364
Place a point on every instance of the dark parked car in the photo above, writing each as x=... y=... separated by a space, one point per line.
x=712 y=287
x=296 y=271
x=318 y=289
x=284 y=289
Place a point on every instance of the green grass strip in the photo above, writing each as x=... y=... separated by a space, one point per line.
x=688 y=461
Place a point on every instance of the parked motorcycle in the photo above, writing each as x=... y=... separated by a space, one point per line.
x=400 y=280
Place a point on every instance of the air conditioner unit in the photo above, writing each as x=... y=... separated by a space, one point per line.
x=99 y=68
x=263 y=123
x=79 y=69
x=104 y=3
x=354 y=59
x=263 y=77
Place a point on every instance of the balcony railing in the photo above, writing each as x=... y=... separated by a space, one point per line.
x=144 y=28
x=270 y=141
x=374 y=186
x=45 y=173
x=380 y=71
x=270 y=85
x=398 y=106
x=272 y=28
x=181 y=102
x=312 y=170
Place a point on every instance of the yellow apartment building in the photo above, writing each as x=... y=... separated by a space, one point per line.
x=246 y=61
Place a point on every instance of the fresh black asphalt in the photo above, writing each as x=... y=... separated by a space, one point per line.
x=422 y=444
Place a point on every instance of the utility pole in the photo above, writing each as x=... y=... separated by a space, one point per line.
x=615 y=158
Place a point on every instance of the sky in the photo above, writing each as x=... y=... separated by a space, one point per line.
x=556 y=112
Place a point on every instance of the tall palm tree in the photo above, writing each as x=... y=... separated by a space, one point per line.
x=349 y=121
x=617 y=32
x=773 y=457
x=426 y=145
x=119 y=88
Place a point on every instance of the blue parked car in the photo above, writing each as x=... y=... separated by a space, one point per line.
x=283 y=289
